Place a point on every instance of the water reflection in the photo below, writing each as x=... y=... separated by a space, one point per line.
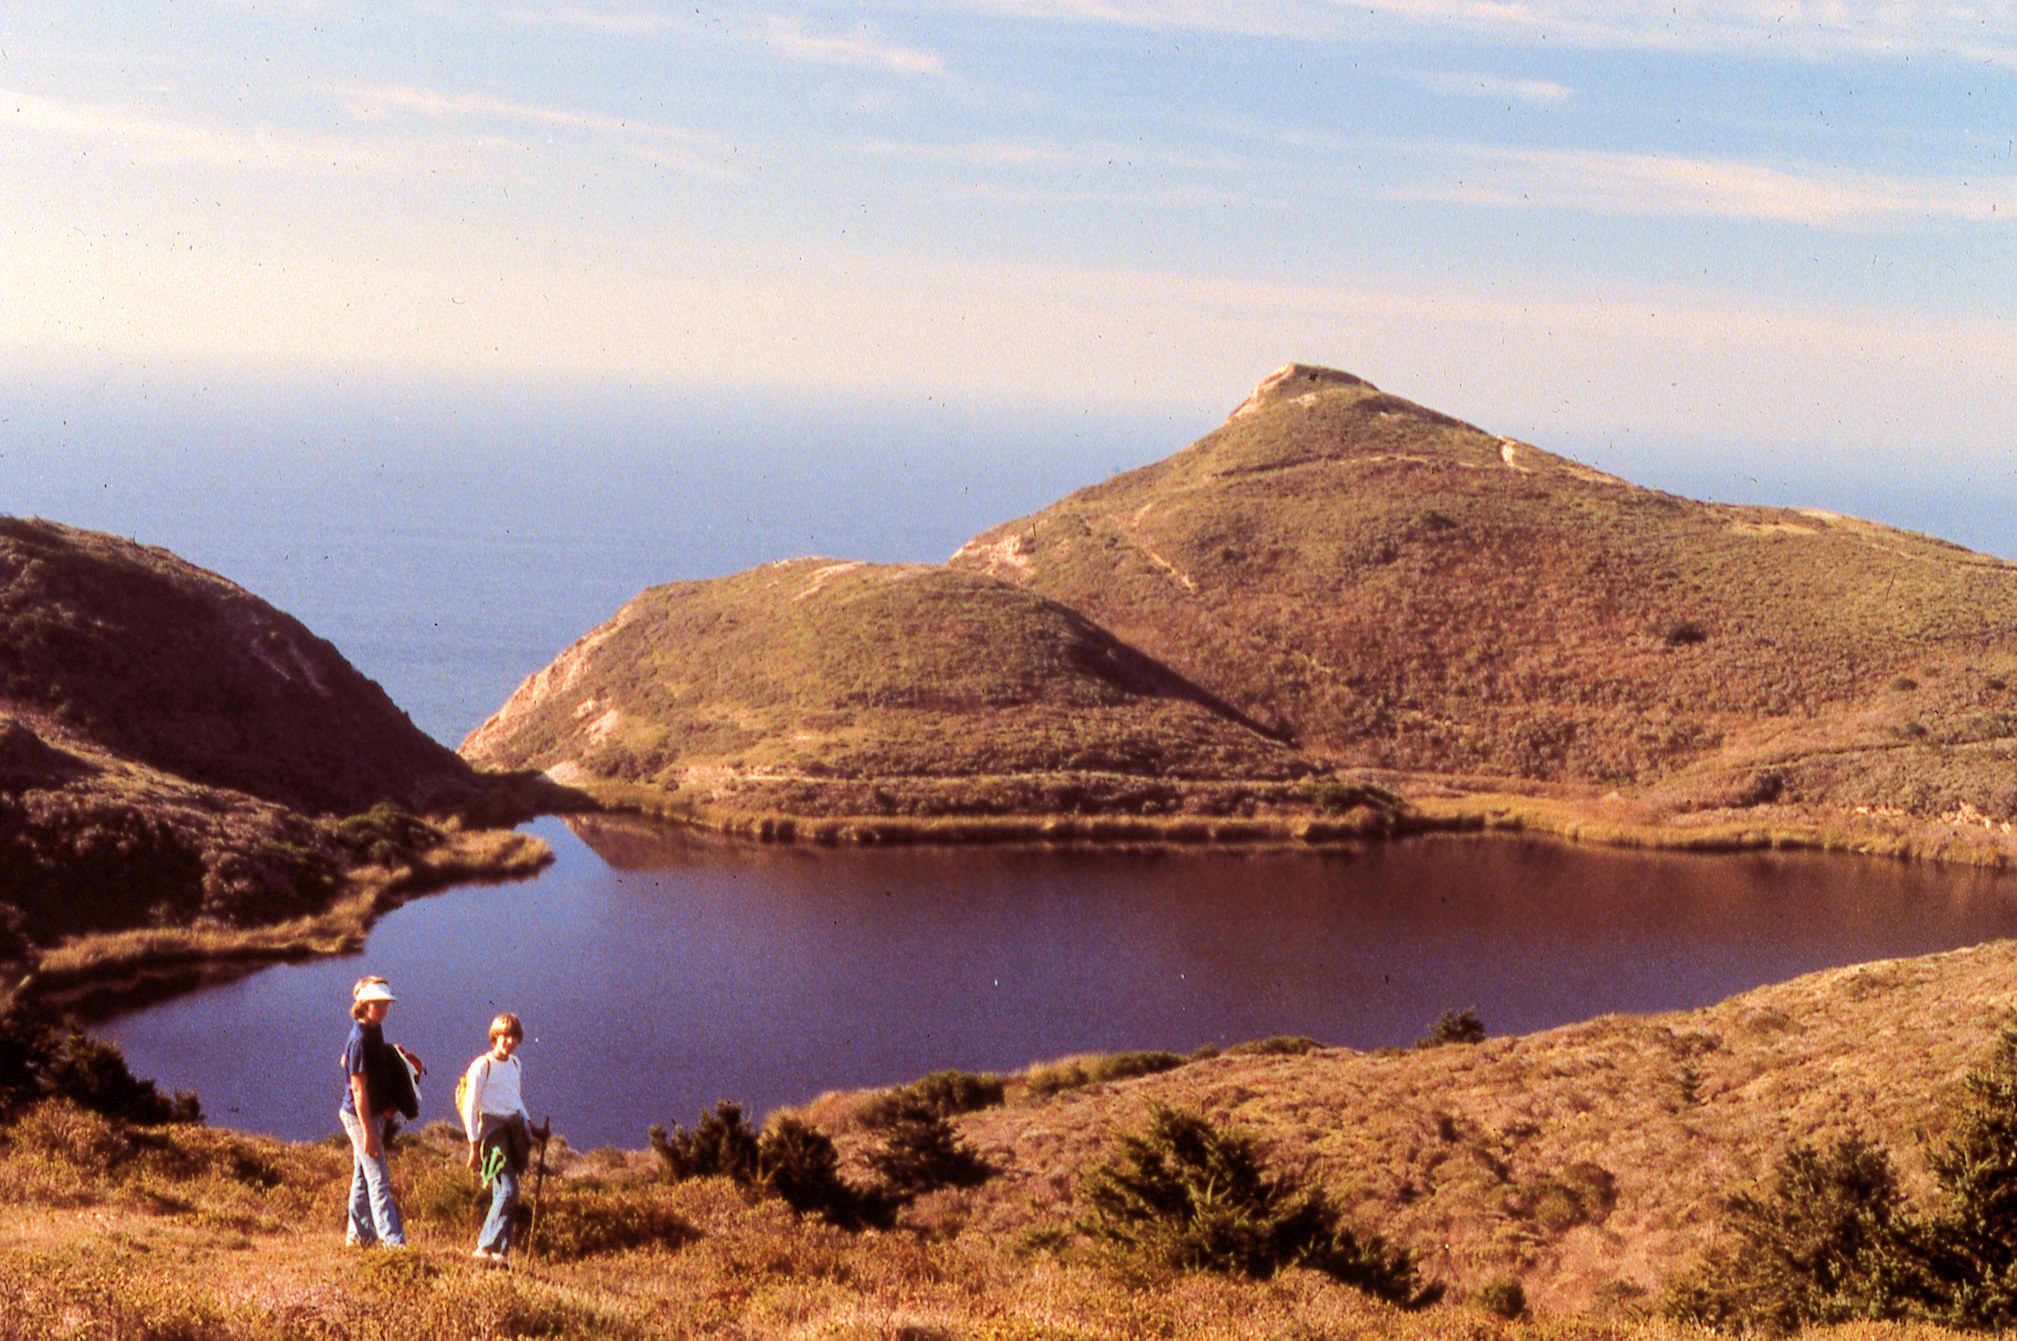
x=660 y=971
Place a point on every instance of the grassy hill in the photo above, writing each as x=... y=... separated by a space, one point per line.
x=175 y=753
x=1591 y=1164
x=1393 y=589
x=817 y=687
x=1336 y=583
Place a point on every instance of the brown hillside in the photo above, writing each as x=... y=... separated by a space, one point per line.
x=818 y=686
x=176 y=753
x=174 y=667
x=1590 y=1161
x=1393 y=589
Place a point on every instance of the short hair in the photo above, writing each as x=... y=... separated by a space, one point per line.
x=357 y=991
x=506 y=1023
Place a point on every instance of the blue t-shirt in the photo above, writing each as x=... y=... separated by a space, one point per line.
x=358 y=1057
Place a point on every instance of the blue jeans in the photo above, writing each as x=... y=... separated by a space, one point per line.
x=373 y=1216
x=495 y=1236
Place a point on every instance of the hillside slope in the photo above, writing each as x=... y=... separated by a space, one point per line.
x=1346 y=588
x=816 y=686
x=175 y=751
x=1590 y=1163
x=1394 y=589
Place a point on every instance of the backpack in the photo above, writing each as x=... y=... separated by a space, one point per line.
x=462 y=1081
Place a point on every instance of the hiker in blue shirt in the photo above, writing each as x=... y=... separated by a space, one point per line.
x=372 y=1093
x=500 y=1132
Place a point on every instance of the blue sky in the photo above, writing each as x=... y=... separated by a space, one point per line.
x=1776 y=235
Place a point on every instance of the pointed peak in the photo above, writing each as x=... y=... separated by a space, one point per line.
x=1295 y=379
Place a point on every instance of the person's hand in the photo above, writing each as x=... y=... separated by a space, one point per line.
x=373 y=1147
x=474 y=1152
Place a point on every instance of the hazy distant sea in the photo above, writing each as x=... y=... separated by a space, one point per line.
x=451 y=541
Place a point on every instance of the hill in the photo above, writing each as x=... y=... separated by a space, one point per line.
x=1346 y=586
x=176 y=752
x=818 y=687
x=1589 y=1163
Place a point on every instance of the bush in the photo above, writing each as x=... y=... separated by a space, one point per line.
x=1832 y=1239
x=39 y=1061
x=1280 y=1045
x=1505 y=1296
x=1974 y=1237
x=590 y=1220
x=921 y=1153
x=1081 y=1071
x=943 y=1093
x=1454 y=1026
x=721 y=1146
x=1192 y=1198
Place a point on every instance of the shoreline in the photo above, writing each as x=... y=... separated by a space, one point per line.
x=1430 y=807
x=92 y=978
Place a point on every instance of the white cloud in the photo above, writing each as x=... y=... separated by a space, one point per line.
x=1809 y=30
x=622 y=21
x=1466 y=85
x=1669 y=186
x=860 y=47
x=1879 y=390
x=149 y=136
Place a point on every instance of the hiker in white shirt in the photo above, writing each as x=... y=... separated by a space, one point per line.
x=500 y=1133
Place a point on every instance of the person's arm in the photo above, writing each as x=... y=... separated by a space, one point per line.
x=472 y=1104
x=360 y=1100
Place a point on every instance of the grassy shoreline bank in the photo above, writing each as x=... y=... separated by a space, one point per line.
x=1413 y=810
x=95 y=976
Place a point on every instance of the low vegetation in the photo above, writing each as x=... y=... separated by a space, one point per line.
x=1828 y=1153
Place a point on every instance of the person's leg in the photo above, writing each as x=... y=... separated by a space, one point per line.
x=377 y=1174
x=360 y=1231
x=495 y=1236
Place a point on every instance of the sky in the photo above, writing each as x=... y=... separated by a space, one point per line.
x=1697 y=242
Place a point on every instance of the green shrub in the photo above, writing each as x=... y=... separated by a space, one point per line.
x=1974 y=1236
x=1081 y=1071
x=1505 y=1296
x=921 y=1153
x=1189 y=1197
x=1281 y=1045
x=1827 y=1241
x=38 y=1061
x=1454 y=1026
x=944 y=1093
x=792 y=1160
x=721 y=1146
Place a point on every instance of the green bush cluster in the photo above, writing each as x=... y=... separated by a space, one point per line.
x=1078 y=1072
x=1190 y=1197
x=1832 y=1237
x=942 y=1093
x=1461 y=1027
x=796 y=1162
x=39 y=1060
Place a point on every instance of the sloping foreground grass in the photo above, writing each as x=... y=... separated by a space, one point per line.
x=1588 y=1164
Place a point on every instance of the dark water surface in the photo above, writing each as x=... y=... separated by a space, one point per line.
x=667 y=972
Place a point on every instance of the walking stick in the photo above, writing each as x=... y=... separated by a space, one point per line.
x=538 y=1181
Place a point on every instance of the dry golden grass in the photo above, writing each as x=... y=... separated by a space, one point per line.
x=1587 y=1162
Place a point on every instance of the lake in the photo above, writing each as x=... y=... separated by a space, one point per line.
x=659 y=972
